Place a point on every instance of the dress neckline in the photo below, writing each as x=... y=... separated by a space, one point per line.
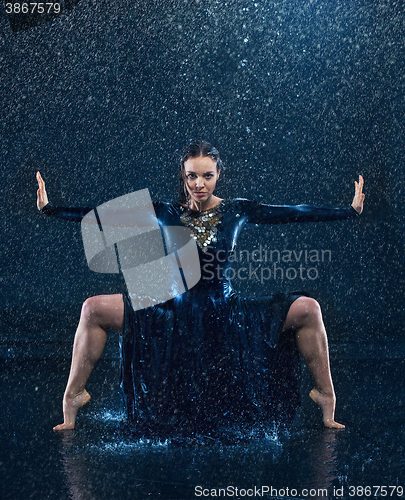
x=203 y=211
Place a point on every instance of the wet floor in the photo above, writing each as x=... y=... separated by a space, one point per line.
x=97 y=461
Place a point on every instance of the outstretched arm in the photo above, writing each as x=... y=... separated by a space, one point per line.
x=260 y=213
x=74 y=214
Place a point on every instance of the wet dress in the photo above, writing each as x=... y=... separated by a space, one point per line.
x=211 y=358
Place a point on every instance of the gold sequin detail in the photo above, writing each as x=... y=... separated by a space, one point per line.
x=204 y=225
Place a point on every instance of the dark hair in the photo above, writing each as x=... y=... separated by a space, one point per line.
x=194 y=150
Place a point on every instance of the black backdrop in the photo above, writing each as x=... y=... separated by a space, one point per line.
x=299 y=96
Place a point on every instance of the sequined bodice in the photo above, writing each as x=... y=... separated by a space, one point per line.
x=204 y=225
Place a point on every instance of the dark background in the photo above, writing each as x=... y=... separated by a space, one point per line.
x=299 y=96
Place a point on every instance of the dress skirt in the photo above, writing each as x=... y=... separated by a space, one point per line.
x=207 y=361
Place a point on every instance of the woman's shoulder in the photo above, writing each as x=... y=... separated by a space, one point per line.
x=168 y=208
x=241 y=203
x=174 y=205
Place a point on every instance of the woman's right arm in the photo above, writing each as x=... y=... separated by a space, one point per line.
x=74 y=214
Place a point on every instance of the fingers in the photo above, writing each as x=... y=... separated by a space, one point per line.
x=41 y=186
x=359 y=186
x=358 y=195
x=41 y=190
x=41 y=182
x=42 y=197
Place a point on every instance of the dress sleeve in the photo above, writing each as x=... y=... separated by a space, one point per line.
x=75 y=214
x=260 y=213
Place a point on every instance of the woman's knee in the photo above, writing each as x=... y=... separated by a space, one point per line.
x=91 y=309
x=302 y=312
x=309 y=307
x=106 y=311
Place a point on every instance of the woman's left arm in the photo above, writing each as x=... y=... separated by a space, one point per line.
x=260 y=213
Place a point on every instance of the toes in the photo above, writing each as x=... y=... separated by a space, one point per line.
x=63 y=427
x=331 y=424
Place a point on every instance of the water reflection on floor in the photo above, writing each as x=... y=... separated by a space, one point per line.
x=97 y=461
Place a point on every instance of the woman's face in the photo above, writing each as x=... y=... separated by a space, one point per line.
x=201 y=176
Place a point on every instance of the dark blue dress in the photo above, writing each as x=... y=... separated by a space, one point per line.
x=211 y=358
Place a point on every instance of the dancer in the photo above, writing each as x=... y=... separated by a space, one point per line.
x=209 y=356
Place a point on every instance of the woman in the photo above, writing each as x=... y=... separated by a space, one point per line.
x=209 y=356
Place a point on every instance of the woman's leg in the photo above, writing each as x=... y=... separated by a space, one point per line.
x=98 y=315
x=305 y=317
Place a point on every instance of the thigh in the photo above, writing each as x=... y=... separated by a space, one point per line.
x=106 y=310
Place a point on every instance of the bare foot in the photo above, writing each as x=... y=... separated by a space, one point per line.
x=327 y=405
x=71 y=406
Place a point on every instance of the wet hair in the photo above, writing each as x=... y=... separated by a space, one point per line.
x=194 y=150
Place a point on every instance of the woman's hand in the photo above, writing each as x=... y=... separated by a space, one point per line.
x=358 y=196
x=42 y=198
